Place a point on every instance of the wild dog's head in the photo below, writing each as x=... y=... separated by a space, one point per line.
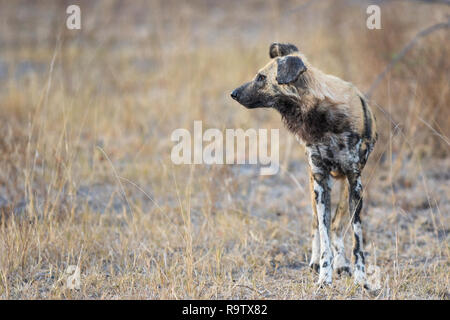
x=275 y=82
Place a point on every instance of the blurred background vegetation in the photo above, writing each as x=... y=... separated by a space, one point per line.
x=86 y=108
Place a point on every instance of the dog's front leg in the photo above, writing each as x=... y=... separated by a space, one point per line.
x=315 y=244
x=322 y=190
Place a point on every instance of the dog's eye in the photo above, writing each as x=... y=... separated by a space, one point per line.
x=260 y=78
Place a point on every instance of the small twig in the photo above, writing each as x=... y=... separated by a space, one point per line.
x=444 y=138
x=117 y=177
x=404 y=51
x=290 y=175
x=142 y=190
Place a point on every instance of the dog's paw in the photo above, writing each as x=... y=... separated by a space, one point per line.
x=359 y=277
x=344 y=271
x=324 y=281
x=314 y=266
x=325 y=274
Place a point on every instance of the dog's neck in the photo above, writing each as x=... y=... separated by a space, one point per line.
x=311 y=119
x=291 y=111
x=299 y=117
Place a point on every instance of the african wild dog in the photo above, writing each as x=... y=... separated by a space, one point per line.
x=332 y=119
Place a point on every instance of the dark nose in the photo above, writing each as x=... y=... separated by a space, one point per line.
x=234 y=94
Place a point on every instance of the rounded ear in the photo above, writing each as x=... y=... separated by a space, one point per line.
x=281 y=49
x=289 y=69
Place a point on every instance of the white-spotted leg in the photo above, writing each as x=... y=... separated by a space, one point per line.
x=315 y=245
x=355 y=205
x=322 y=195
x=340 y=262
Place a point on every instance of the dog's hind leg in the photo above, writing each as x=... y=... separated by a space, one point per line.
x=340 y=262
x=315 y=251
x=355 y=205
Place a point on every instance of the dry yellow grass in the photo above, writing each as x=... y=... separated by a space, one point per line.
x=86 y=177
